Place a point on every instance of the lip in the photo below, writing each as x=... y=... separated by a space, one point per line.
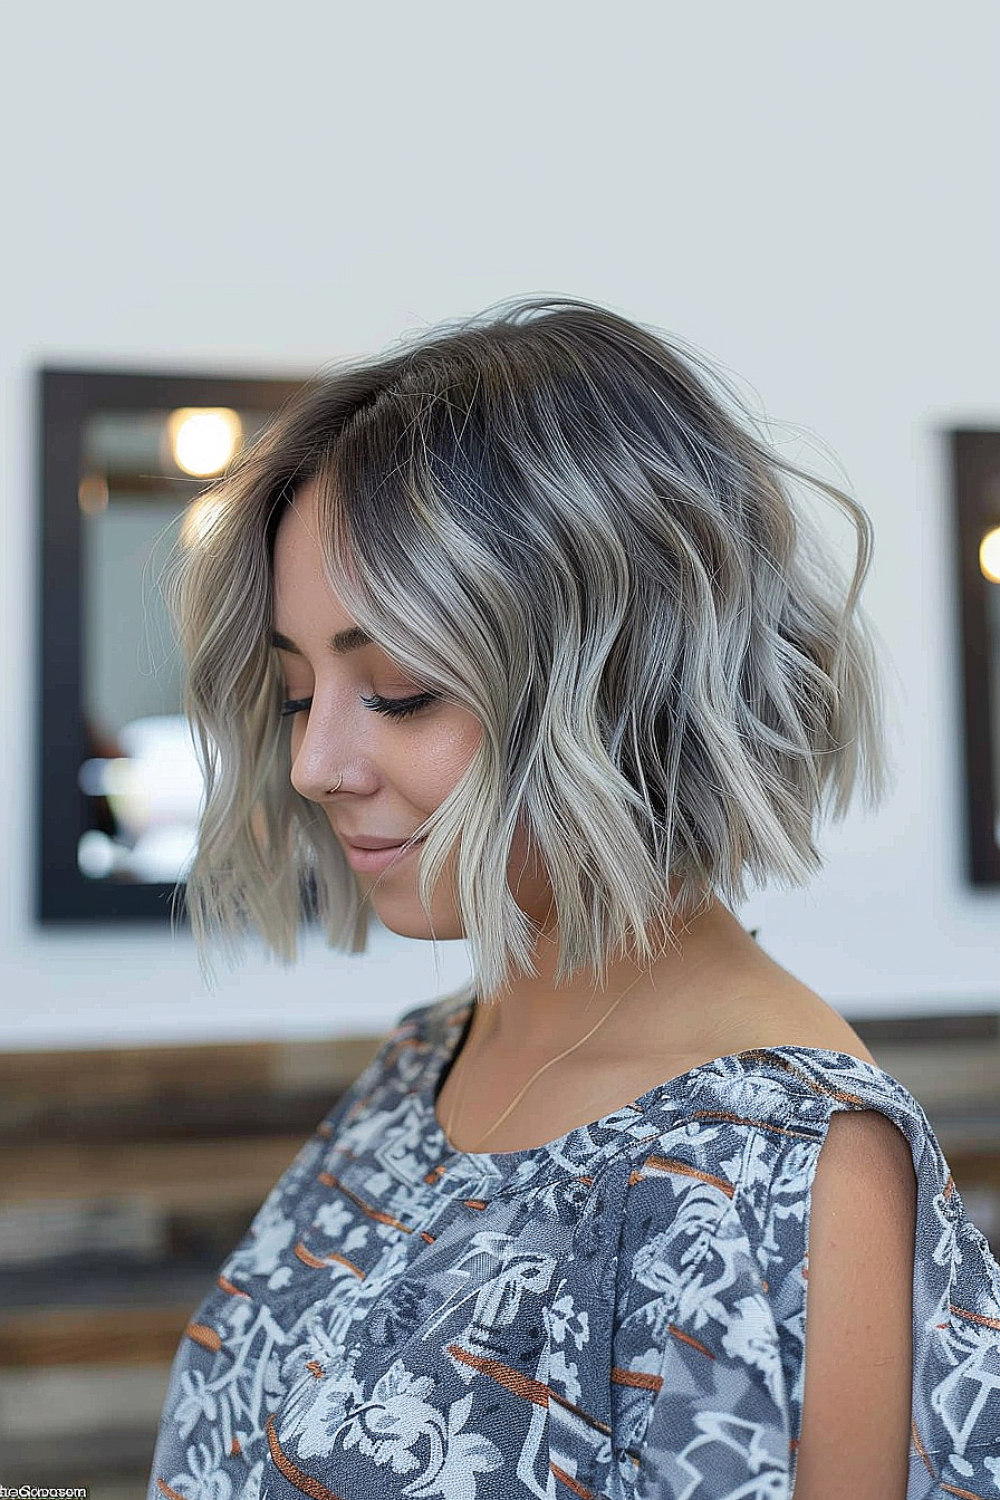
x=371 y=861
x=371 y=843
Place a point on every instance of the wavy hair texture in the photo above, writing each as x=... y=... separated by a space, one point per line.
x=549 y=517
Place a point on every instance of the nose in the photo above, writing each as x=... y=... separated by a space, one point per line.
x=317 y=762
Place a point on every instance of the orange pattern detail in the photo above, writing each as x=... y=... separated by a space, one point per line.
x=292 y=1472
x=227 y=1286
x=686 y=1337
x=641 y=1379
x=307 y=1256
x=165 y=1489
x=920 y=1449
x=511 y=1380
x=571 y=1483
x=523 y=1386
x=323 y=1262
x=975 y=1317
x=578 y=1411
x=735 y=1119
x=328 y=1180
x=202 y=1334
x=762 y=1054
x=671 y=1164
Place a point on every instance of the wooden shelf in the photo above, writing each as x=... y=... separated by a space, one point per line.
x=188 y=1175
x=92 y=1336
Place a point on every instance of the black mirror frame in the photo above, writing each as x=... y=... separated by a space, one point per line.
x=975 y=462
x=65 y=399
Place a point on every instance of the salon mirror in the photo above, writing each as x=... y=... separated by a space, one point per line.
x=123 y=456
x=975 y=460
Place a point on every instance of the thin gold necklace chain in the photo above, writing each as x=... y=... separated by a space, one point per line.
x=460 y=1093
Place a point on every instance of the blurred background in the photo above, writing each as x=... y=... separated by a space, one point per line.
x=207 y=203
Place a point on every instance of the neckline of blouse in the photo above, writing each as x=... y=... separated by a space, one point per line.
x=580 y=1150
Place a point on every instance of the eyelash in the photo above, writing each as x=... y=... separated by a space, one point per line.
x=393 y=708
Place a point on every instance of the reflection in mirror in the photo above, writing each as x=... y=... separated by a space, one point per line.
x=139 y=473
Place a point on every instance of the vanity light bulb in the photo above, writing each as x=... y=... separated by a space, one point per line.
x=203 y=439
x=989 y=555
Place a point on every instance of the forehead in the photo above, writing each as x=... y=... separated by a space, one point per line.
x=302 y=589
x=298 y=524
x=306 y=611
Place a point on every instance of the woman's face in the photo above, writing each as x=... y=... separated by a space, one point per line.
x=396 y=771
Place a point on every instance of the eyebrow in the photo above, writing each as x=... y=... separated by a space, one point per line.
x=341 y=643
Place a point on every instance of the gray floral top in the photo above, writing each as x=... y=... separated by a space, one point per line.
x=619 y=1314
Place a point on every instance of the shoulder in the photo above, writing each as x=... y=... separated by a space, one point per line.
x=831 y=1234
x=771 y=1270
x=783 y=1011
x=864 y=1151
x=744 y=1137
x=812 y=1128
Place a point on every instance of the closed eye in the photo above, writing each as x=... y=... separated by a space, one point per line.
x=295 y=706
x=393 y=708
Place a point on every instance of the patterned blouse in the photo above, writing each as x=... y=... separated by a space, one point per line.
x=619 y=1314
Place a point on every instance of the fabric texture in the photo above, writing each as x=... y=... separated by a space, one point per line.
x=619 y=1314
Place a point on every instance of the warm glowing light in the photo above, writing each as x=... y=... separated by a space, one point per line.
x=989 y=555
x=203 y=438
x=93 y=494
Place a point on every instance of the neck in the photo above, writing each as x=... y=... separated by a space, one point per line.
x=533 y=1018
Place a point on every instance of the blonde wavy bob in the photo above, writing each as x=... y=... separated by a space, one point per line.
x=548 y=517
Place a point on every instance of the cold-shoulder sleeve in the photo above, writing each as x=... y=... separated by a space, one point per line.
x=715 y=1250
x=697 y=1332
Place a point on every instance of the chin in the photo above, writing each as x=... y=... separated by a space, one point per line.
x=408 y=920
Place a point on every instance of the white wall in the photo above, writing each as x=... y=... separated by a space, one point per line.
x=805 y=191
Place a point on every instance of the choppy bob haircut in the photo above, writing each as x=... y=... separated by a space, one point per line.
x=547 y=517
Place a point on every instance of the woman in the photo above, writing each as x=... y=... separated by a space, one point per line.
x=525 y=605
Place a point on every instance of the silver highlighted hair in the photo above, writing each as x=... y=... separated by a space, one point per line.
x=549 y=517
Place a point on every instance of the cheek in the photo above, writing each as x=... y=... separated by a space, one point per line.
x=440 y=761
